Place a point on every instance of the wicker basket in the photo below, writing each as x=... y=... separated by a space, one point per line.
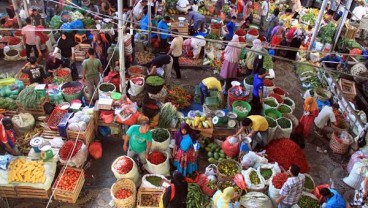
x=222 y=177
x=126 y=184
x=341 y=128
x=336 y=146
x=319 y=91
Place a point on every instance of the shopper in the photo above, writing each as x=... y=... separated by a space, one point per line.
x=230 y=65
x=92 y=70
x=36 y=18
x=359 y=12
x=229 y=28
x=295 y=44
x=198 y=21
x=327 y=114
x=331 y=198
x=100 y=45
x=138 y=10
x=226 y=198
x=277 y=40
x=41 y=39
x=183 y=6
x=291 y=191
x=29 y=38
x=258 y=124
x=332 y=61
x=175 y=196
x=176 y=50
x=7 y=137
x=184 y=154
x=272 y=21
x=66 y=46
x=307 y=119
x=53 y=63
x=296 y=8
x=287 y=17
x=140 y=141
x=163 y=27
x=257 y=93
x=210 y=83
x=34 y=71
x=253 y=61
x=162 y=65
x=106 y=7
x=264 y=12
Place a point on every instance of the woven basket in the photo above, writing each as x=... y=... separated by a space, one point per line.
x=319 y=91
x=336 y=146
x=126 y=184
x=143 y=70
x=222 y=177
x=339 y=129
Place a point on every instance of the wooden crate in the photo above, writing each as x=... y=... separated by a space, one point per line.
x=182 y=30
x=70 y=196
x=87 y=136
x=8 y=192
x=350 y=31
x=29 y=192
x=348 y=88
x=38 y=110
x=148 y=191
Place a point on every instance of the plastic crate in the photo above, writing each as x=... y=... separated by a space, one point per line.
x=56 y=113
x=63 y=124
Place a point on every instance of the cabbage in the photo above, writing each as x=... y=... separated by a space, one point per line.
x=82 y=125
x=55 y=22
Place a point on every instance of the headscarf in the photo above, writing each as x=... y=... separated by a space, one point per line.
x=179 y=135
x=257 y=46
x=227 y=195
x=181 y=185
x=43 y=37
x=232 y=50
x=310 y=104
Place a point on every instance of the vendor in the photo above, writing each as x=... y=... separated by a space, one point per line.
x=331 y=198
x=185 y=156
x=183 y=6
x=226 y=198
x=332 y=61
x=53 y=63
x=254 y=60
x=176 y=194
x=162 y=65
x=327 y=114
x=7 y=137
x=34 y=71
x=291 y=191
x=210 y=83
x=140 y=141
x=306 y=121
x=163 y=27
x=258 y=124
x=257 y=93
x=197 y=19
x=91 y=70
x=229 y=28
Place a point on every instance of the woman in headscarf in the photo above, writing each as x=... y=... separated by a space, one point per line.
x=225 y=199
x=175 y=196
x=295 y=44
x=185 y=157
x=231 y=58
x=252 y=61
x=277 y=39
x=306 y=121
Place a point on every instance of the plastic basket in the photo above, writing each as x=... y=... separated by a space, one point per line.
x=241 y=115
x=126 y=184
x=148 y=110
x=53 y=115
x=270 y=111
x=212 y=102
x=70 y=97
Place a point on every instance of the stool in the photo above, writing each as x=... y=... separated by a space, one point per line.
x=80 y=38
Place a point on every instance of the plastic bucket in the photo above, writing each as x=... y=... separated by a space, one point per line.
x=232 y=97
x=105 y=90
x=273 y=113
x=77 y=95
x=246 y=105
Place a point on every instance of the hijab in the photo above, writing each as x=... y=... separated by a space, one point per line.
x=227 y=195
x=179 y=136
x=310 y=104
x=257 y=46
x=181 y=187
x=232 y=50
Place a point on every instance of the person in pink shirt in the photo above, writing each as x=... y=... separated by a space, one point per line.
x=29 y=38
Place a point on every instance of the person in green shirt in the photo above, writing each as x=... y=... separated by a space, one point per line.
x=91 y=69
x=140 y=140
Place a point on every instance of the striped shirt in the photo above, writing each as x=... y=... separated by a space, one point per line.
x=292 y=189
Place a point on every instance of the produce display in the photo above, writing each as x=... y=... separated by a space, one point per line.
x=309 y=16
x=156 y=157
x=155 y=80
x=23 y=141
x=228 y=168
x=143 y=57
x=277 y=97
x=7 y=104
x=212 y=36
x=270 y=103
x=308 y=184
x=241 y=109
x=272 y=115
x=160 y=135
x=226 y=184
x=267 y=62
x=150 y=200
x=80 y=120
x=214 y=153
x=72 y=90
x=62 y=72
x=288 y=102
x=268 y=83
x=284 y=109
x=253 y=176
x=327 y=32
x=167 y=113
x=123 y=165
x=23 y=171
x=199 y=122
x=195 y=197
x=28 y=98
x=249 y=80
x=154 y=180
x=68 y=180
x=308 y=202
x=216 y=64
x=55 y=118
x=284 y=123
x=123 y=193
x=266 y=173
x=189 y=61
x=286 y=153
x=179 y=97
x=279 y=179
x=271 y=122
x=67 y=151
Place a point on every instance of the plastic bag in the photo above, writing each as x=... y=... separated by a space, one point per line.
x=231 y=146
x=252 y=186
x=211 y=170
x=251 y=159
x=255 y=200
x=73 y=127
x=95 y=150
x=79 y=159
x=357 y=174
x=57 y=142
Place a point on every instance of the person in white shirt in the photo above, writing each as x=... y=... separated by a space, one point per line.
x=264 y=12
x=327 y=114
x=138 y=9
x=183 y=6
x=359 y=12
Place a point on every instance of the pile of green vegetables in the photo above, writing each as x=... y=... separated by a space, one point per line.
x=88 y=22
x=7 y=104
x=272 y=114
x=288 y=102
x=28 y=98
x=308 y=202
x=228 y=168
x=304 y=67
x=348 y=44
x=55 y=22
x=284 y=109
x=214 y=153
x=327 y=32
x=270 y=102
x=155 y=80
x=284 y=123
x=249 y=80
x=266 y=173
x=212 y=36
x=253 y=176
x=154 y=180
x=195 y=197
x=167 y=114
x=308 y=183
x=271 y=122
x=267 y=62
x=160 y=135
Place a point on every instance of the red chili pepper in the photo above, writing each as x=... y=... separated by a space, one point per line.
x=279 y=180
x=123 y=194
x=267 y=83
x=277 y=97
x=279 y=91
x=66 y=149
x=123 y=165
x=156 y=157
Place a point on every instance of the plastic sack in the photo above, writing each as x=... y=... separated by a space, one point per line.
x=73 y=127
x=251 y=158
x=357 y=174
x=130 y=120
x=95 y=150
x=23 y=123
x=82 y=125
x=211 y=170
x=230 y=149
x=356 y=157
x=239 y=181
x=255 y=200
x=274 y=168
x=251 y=186
x=318 y=188
x=66 y=27
x=57 y=142
x=207 y=190
x=77 y=24
x=79 y=159
x=162 y=169
x=147 y=184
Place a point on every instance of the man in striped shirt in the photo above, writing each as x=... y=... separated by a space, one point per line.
x=292 y=189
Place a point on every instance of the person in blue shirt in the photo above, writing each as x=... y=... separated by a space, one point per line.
x=331 y=198
x=332 y=61
x=143 y=24
x=197 y=19
x=230 y=28
x=164 y=28
x=257 y=99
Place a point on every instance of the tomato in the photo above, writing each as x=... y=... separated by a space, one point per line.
x=123 y=194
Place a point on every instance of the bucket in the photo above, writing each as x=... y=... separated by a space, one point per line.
x=273 y=113
x=107 y=116
x=232 y=97
x=241 y=113
x=35 y=144
x=105 y=90
x=116 y=96
x=77 y=95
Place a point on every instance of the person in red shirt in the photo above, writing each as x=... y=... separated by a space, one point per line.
x=7 y=137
